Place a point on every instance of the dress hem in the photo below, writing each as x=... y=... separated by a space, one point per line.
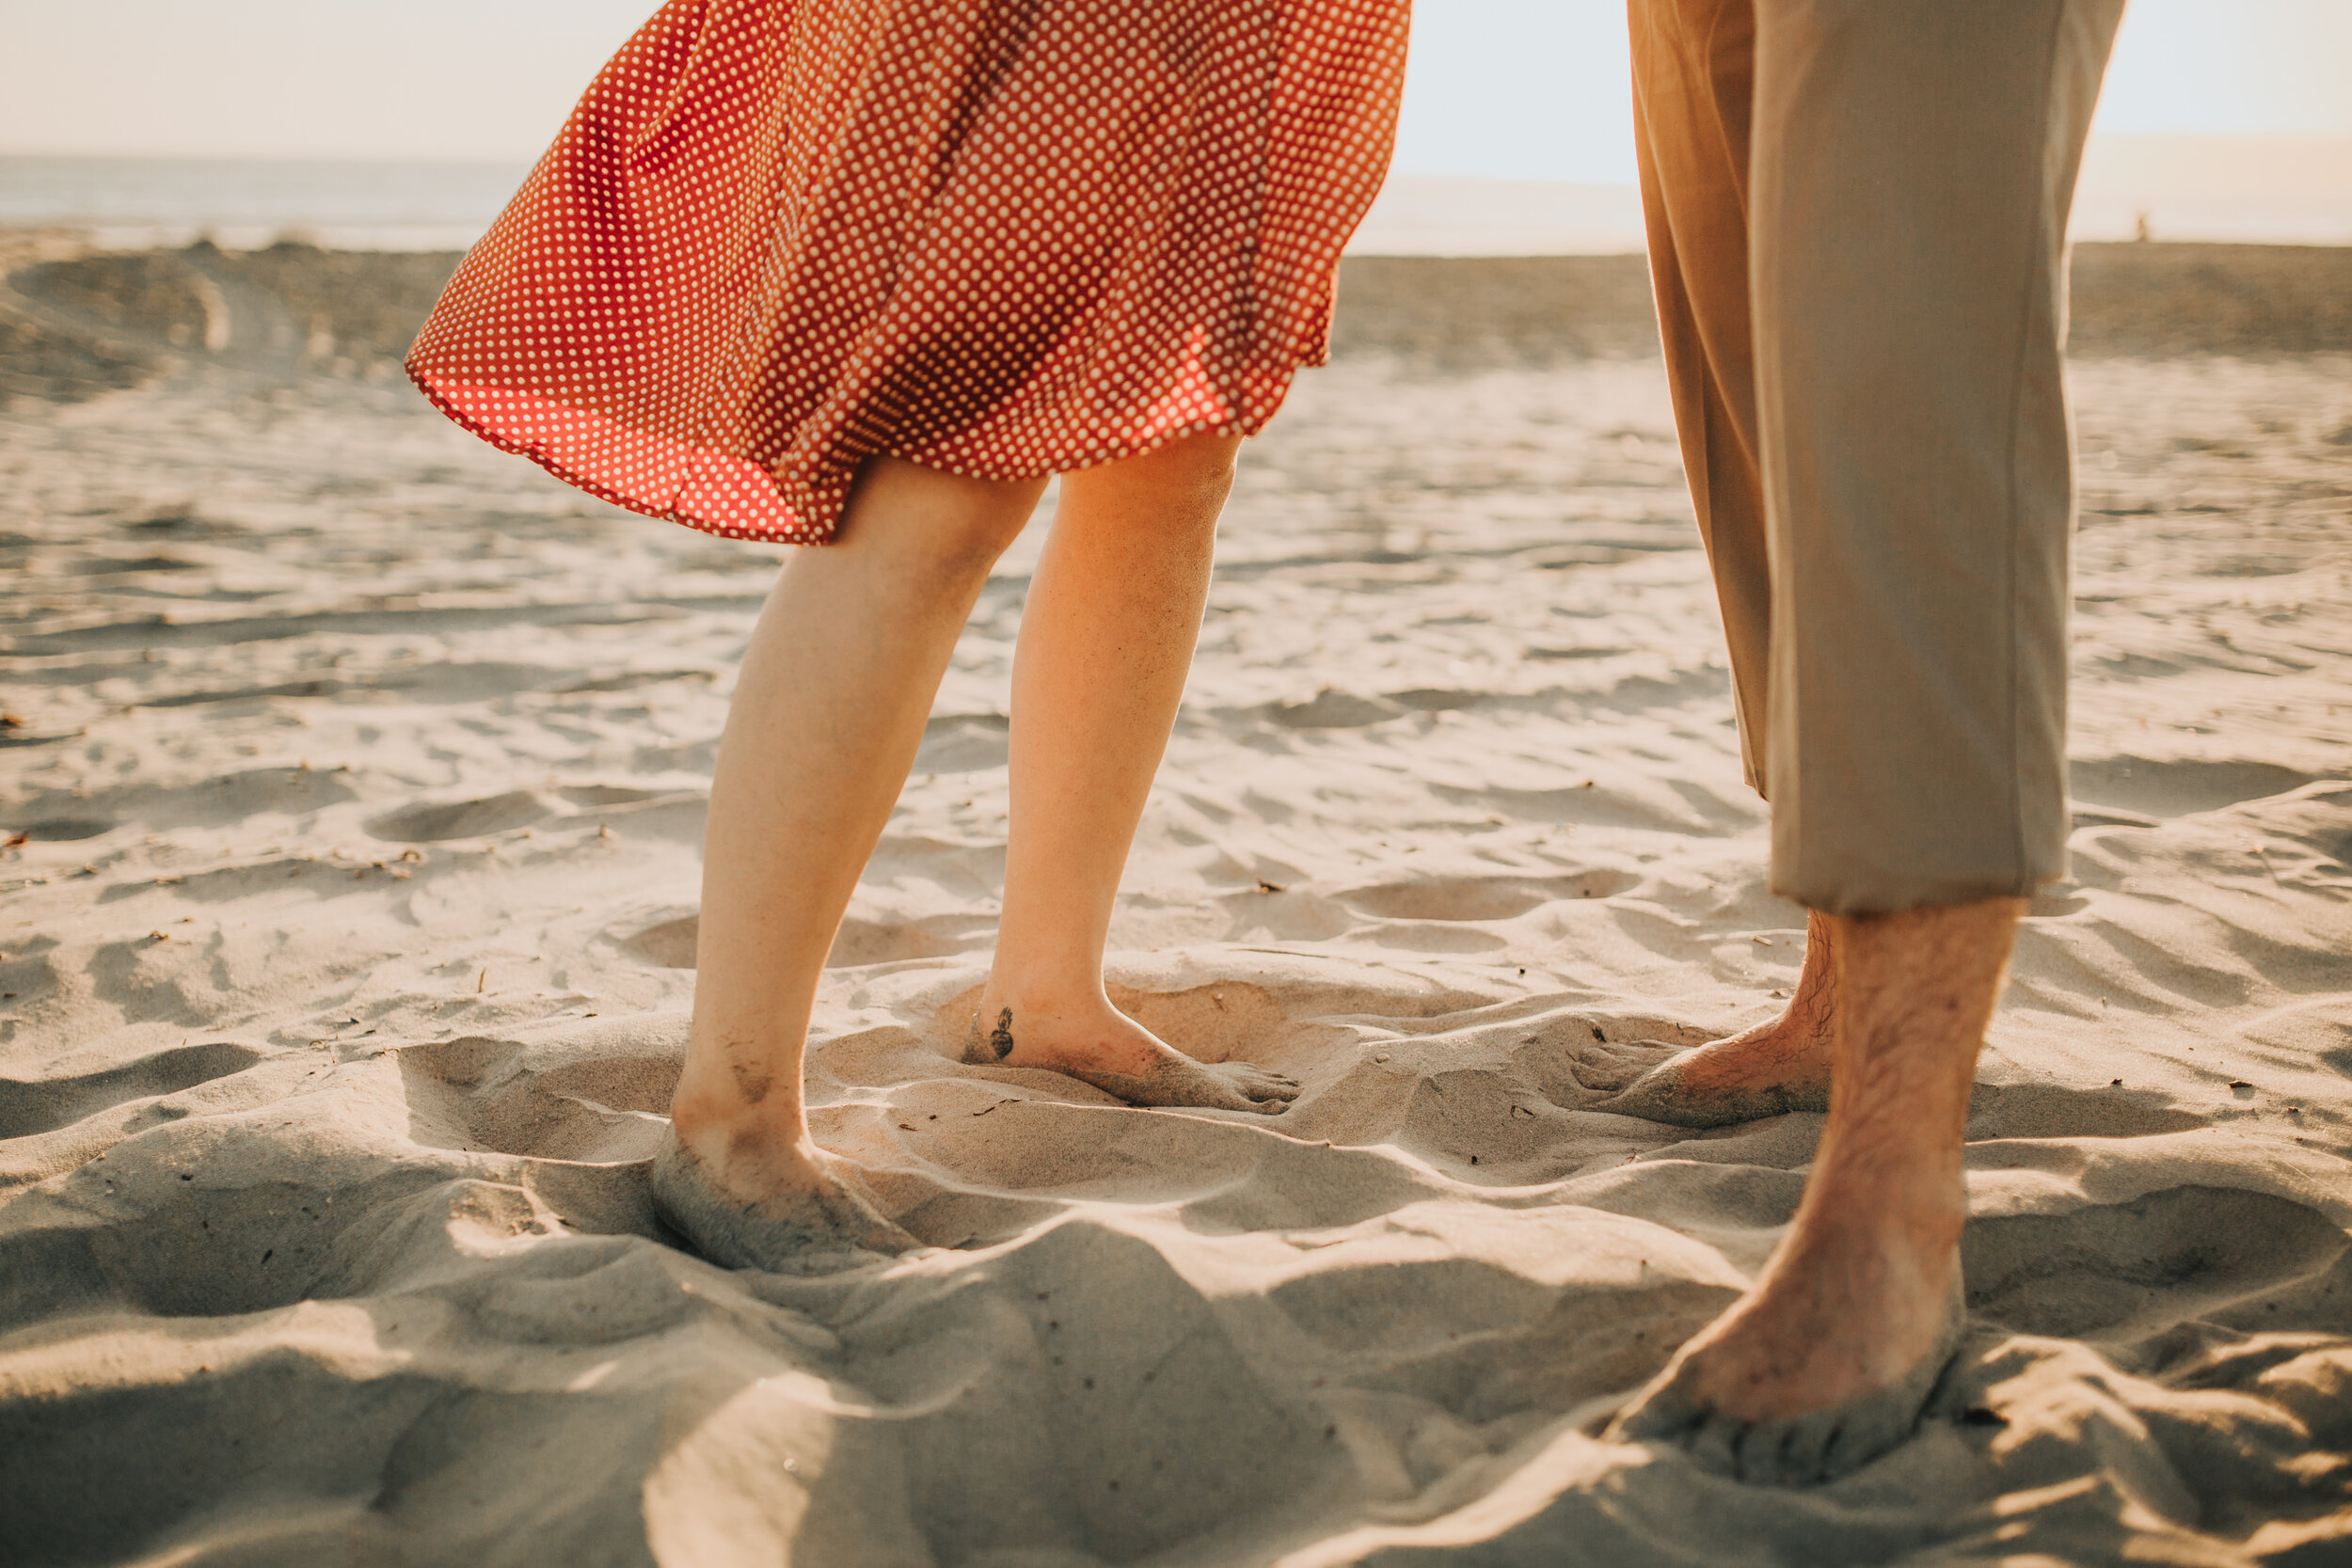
x=438 y=389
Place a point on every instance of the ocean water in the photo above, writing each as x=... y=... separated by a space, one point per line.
x=241 y=203
x=2243 y=189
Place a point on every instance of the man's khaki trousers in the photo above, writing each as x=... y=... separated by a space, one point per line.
x=1857 y=218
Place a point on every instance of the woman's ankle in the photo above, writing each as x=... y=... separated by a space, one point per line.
x=1065 y=1027
x=725 y=1127
x=1044 y=995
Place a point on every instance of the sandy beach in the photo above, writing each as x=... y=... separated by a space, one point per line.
x=354 y=774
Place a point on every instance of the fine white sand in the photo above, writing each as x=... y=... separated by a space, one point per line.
x=362 y=771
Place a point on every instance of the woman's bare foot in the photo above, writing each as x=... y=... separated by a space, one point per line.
x=1779 y=1065
x=1828 y=1361
x=796 y=1209
x=1102 y=1046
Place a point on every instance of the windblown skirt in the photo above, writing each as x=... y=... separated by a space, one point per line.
x=1002 y=238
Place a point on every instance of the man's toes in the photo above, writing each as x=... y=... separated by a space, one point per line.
x=1847 y=1448
x=1607 y=1069
x=1662 y=1413
x=1714 y=1443
x=1768 y=1453
x=1648 y=1092
x=1815 y=1452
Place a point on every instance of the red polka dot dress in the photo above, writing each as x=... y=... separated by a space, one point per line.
x=1002 y=238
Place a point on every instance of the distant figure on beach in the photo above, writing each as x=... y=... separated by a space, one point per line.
x=867 y=277
x=1857 y=218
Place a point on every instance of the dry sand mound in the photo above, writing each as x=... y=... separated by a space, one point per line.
x=361 y=773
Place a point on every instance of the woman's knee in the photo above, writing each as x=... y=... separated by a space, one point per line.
x=1198 y=462
x=1179 y=480
x=955 y=525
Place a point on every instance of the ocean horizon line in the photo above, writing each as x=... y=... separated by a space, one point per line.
x=2187 y=186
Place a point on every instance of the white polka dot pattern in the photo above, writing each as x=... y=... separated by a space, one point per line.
x=1002 y=238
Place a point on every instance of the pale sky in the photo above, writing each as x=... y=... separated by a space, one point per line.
x=1515 y=89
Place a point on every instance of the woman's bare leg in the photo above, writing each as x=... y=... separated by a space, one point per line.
x=828 y=712
x=1106 y=640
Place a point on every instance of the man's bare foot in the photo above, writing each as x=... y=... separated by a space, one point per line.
x=1828 y=1361
x=1826 y=1365
x=801 y=1212
x=1102 y=1046
x=1779 y=1065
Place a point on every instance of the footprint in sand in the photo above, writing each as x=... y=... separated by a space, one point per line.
x=41 y=1105
x=431 y=823
x=1482 y=898
x=671 y=943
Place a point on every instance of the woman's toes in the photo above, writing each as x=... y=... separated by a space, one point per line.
x=1258 y=1084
